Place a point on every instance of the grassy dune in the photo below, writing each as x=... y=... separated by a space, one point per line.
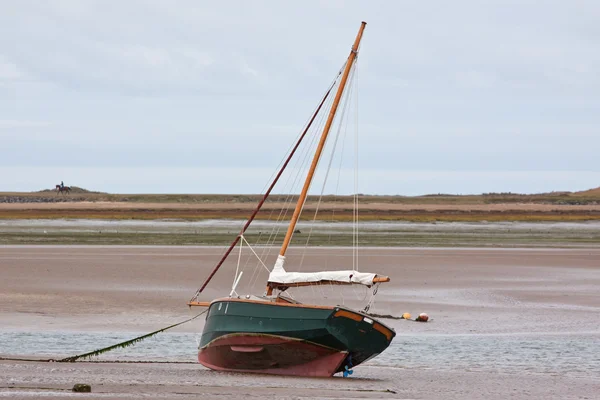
x=591 y=196
x=82 y=204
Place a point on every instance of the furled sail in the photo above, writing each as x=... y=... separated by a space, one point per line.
x=279 y=277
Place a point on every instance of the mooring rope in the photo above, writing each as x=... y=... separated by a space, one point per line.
x=127 y=343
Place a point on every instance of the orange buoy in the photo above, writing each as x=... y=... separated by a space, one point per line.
x=406 y=315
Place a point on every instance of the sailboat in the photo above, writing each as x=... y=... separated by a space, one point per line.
x=275 y=334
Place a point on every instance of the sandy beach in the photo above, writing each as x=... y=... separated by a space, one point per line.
x=538 y=309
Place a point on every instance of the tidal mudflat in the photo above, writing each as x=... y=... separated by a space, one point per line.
x=318 y=233
x=519 y=323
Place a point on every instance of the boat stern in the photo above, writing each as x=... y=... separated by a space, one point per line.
x=363 y=336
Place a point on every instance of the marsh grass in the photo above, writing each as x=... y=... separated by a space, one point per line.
x=499 y=238
x=78 y=194
x=339 y=215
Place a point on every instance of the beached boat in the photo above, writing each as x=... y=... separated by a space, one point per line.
x=275 y=334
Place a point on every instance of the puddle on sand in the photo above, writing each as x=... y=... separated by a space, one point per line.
x=571 y=355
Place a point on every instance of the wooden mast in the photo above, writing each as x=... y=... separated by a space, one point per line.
x=317 y=156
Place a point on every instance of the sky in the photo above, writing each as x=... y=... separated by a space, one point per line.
x=206 y=97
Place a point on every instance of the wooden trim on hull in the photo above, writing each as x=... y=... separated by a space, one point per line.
x=355 y=316
x=389 y=334
x=348 y=314
x=267 y=303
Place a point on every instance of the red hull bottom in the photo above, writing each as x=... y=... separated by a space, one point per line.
x=268 y=354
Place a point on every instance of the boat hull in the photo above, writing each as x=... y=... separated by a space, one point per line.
x=288 y=339
x=270 y=354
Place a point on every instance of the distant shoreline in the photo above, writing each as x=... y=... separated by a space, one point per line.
x=82 y=204
x=77 y=194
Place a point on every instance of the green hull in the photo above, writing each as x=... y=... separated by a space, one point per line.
x=245 y=335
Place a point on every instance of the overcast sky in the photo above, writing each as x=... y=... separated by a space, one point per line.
x=206 y=96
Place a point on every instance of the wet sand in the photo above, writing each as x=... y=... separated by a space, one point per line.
x=215 y=232
x=183 y=381
x=475 y=293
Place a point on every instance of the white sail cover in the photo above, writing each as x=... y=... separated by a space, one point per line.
x=280 y=276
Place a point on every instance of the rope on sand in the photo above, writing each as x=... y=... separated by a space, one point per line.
x=421 y=318
x=386 y=316
x=101 y=361
x=127 y=343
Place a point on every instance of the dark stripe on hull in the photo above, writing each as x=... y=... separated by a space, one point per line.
x=299 y=340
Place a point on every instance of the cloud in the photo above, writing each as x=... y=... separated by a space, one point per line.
x=12 y=124
x=447 y=86
x=9 y=71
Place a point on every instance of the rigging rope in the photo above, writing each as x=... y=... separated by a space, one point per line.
x=294 y=179
x=264 y=198
x=302 y=160
x=372 y=299
x=332 y=156
x=355 y=248
x=288 y=200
